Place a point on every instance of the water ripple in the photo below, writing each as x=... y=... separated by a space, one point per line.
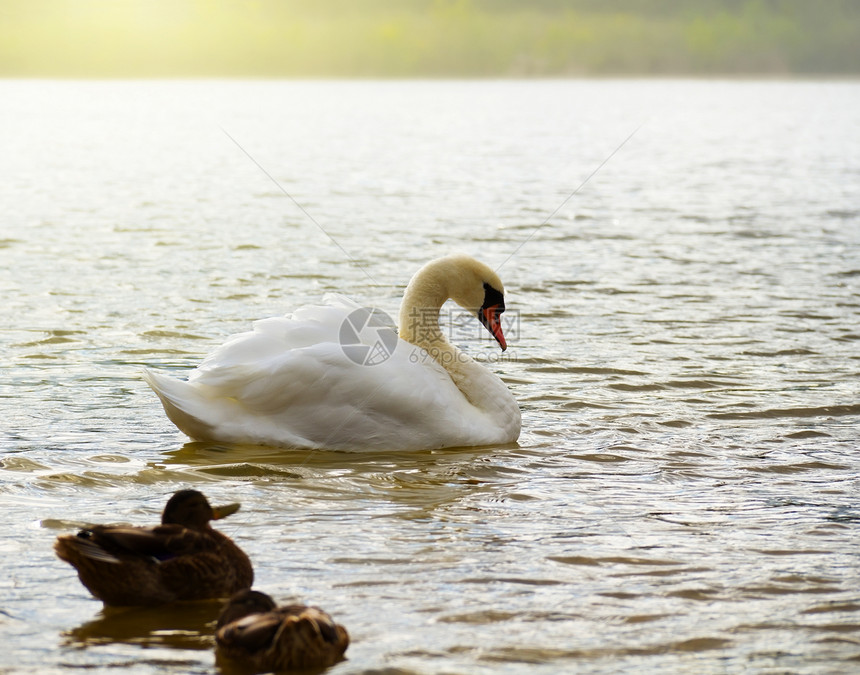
x=682 y=498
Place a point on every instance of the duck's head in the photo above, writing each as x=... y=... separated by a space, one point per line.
x=244 y=603
x=191 y=509
x=477 y=288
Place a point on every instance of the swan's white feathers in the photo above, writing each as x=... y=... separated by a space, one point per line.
x=269 y=385
x=289 y=382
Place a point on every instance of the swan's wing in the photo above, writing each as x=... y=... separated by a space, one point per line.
x=320 y=378
x=334 y=322
x=318 y=397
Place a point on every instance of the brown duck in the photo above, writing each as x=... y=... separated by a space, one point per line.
x=181 y=559
x=252 y=632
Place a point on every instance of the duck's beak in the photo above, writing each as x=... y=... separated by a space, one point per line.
x=224 y=511
x=491 y=317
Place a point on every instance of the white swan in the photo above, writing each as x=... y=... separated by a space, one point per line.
x=336 y=377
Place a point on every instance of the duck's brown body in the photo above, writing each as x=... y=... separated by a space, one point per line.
x=256 y=634
x=181 y=559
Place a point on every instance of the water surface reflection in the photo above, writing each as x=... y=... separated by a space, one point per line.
x=181 y=625
x=683 y=497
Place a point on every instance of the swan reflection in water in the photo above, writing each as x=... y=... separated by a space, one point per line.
x=421 y=481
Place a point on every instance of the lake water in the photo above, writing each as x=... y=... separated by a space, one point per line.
x=684 y=342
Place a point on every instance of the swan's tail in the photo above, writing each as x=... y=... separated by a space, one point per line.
x=180 y=399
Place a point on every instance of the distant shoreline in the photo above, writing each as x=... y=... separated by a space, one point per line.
x=749 y=77
x=429 y=39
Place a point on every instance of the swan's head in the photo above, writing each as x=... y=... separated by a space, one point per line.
x=469 y=283
x=477 y=288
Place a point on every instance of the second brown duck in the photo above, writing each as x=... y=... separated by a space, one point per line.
x=256 y=635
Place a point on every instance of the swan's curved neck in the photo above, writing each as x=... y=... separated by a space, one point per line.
x=419 y=311
x=419 y=324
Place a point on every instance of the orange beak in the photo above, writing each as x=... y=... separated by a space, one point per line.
x=219 y=512
x=491 y=317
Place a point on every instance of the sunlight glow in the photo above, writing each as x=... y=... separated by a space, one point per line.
x=405 y=38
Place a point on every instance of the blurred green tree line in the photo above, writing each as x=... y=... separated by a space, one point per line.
x=427 y=38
